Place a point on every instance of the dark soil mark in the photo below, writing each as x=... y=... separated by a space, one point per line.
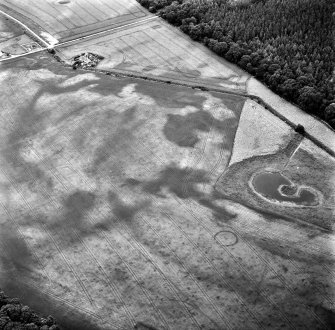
x=76 y=205
x=18 y=269
x=30 y=121
x=121 y=211
x=219 y=212
x=132 y=182
x=290 y=252
x=144 y=326
x=327 y=315
x=149 y=68
x=182 y=182
x=188 y=72
x=176 y=179
x=117 y=140
x=15 y=256
x=182 y=130
x=70 y=226
x=173 y=97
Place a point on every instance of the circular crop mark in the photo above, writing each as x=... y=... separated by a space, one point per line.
x=226 y=238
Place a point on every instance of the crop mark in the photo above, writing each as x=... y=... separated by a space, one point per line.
x=80 y=282
x=60 y=252
x=150 y=49
x=205 y=295
x=57 y=297
x=201 y=157
x=127 y=266
x=31 y=250
x=195 y=246
x=171 y=66
x=172 y=287
x=140 y=55
x=179 y=202
x=109 y=283
x=179 y=259
x=218 y=326
x=146 y=294
x=237 y=262
x=242 y=268
x=145 y=253
x=234 y=240
x=281 y=278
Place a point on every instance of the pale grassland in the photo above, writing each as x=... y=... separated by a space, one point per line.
x=109 y=217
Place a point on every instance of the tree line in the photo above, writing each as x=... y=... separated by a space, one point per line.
x=286 y=44
x=14 y=315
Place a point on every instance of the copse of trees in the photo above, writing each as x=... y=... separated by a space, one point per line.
x=14 y=315
x=287 y=44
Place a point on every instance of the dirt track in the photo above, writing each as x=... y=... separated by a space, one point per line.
x=110 y=217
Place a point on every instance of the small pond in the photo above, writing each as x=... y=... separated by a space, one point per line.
x=275 y=186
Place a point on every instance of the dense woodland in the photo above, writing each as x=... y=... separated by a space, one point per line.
x=15 y=316
x=287 y=44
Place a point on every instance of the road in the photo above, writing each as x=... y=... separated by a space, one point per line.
x=50 y=46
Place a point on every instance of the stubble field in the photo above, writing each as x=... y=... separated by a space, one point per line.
x=110 y=219
x=127 y=203
x=70 y=19
x=155 y=49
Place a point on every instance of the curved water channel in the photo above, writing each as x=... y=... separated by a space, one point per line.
x=276 y=187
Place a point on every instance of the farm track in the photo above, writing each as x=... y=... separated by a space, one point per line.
x=217 y=272
x=267 y=263
x=214 y=267
x=259 y=100
x=193 y=167
x=45 y=229
x=145 y=253
x=66 y=261
x=29 y=245
x=54 y=170
x=52 y=239
x=71 y=166
x=260 y=230
x=169 y=285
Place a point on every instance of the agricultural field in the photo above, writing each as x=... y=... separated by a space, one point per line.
x=307 y=170
x=70 y=19
x=155 y=49
x=117 y=210
x=134 y=204
x=13 y=40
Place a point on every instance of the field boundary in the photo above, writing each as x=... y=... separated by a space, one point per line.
x=203 y=87
x=207 y=88
x=25 y=27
